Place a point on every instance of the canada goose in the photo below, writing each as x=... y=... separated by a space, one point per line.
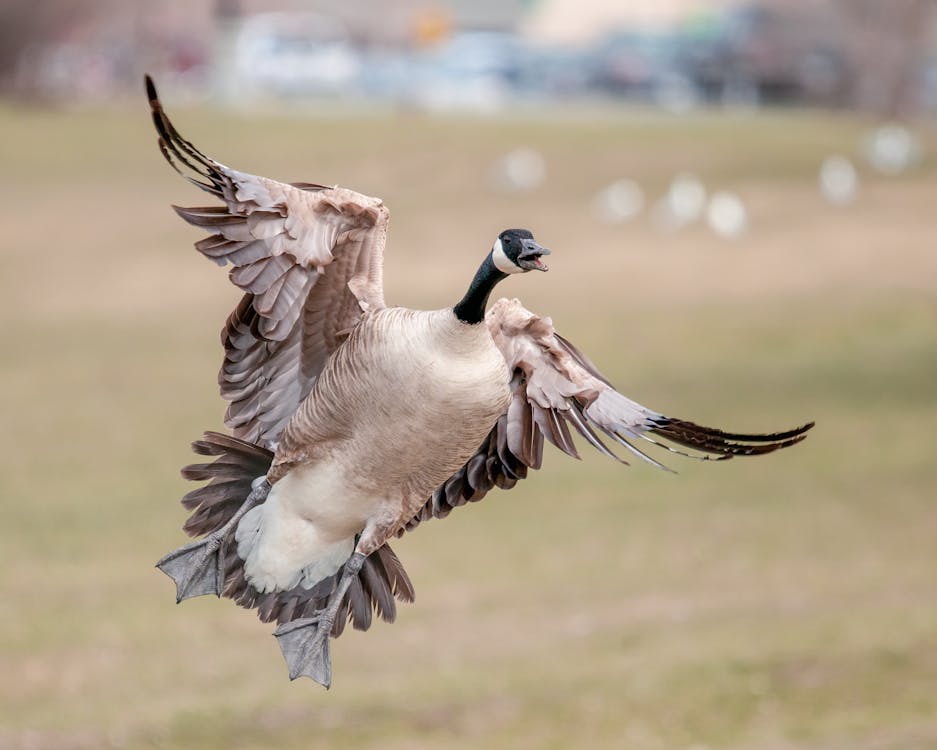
x=353 y=421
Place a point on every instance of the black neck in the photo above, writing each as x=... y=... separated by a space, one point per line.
x=471 y=308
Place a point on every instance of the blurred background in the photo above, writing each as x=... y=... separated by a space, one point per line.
x=479 y=55
x=740 y=199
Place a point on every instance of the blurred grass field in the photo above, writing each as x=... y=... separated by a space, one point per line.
x=779 y=603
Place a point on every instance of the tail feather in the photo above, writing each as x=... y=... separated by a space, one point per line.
x=381 y=582
x=217 y=470
x=212 y=494
x=218 y=444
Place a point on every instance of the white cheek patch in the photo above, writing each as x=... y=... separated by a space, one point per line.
x=501 y=261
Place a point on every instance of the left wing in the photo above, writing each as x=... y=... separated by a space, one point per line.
x=556 y=387
x=309 y=260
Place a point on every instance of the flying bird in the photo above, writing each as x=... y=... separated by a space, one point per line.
x=354 y=421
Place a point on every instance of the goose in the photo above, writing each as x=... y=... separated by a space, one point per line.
x=353 y=422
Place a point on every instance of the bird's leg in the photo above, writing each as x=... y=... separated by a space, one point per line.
x=305 y=642
x=198 y=568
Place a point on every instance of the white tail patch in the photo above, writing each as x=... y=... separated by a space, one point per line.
x=331 y=560
x=280 y=553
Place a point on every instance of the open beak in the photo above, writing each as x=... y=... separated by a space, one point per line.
x=529 y=257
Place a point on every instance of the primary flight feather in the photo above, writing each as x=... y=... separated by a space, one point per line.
x=353 y=421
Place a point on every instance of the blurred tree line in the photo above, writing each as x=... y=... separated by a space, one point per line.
x=888 y=45
x=27 y=23
x=29 y=27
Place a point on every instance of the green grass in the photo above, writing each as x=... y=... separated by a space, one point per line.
x=778 y=603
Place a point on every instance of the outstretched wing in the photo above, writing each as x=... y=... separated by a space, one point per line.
x=557 y=392
x=310 y=262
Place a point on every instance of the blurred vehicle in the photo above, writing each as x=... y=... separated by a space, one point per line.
x=927 y=86
x=645 y=66
x=295 y=54
x=479 y=71
x=473 y=70
x=771 y=54
x=553 y=71
x=490 y=54
x=386 y=73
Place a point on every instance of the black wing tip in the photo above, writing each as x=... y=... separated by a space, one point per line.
x=151 y=90
x=156 y=112
x=727 y=444
x=772 y=437
x=177 y=150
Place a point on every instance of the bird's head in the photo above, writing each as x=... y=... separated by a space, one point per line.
x=516 y=251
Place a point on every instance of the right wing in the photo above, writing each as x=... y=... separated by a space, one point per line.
x=555 y=387
x=310 y=261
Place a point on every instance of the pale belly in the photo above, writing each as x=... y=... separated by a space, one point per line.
x=304 y=530
x=409 y=430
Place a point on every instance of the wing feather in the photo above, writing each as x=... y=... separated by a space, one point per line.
x=555 y=386
x=310 y=261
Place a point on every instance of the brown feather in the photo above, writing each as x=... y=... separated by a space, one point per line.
x=238 y=462
x=281 y=240
x=553 y=383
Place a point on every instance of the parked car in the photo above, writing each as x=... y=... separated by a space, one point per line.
x=472 y=70
x=557 y=71
x=645 y=66
x=775 y=54
x=295 y=54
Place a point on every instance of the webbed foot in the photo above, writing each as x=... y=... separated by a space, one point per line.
x=197 y=568
x=305 y=646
